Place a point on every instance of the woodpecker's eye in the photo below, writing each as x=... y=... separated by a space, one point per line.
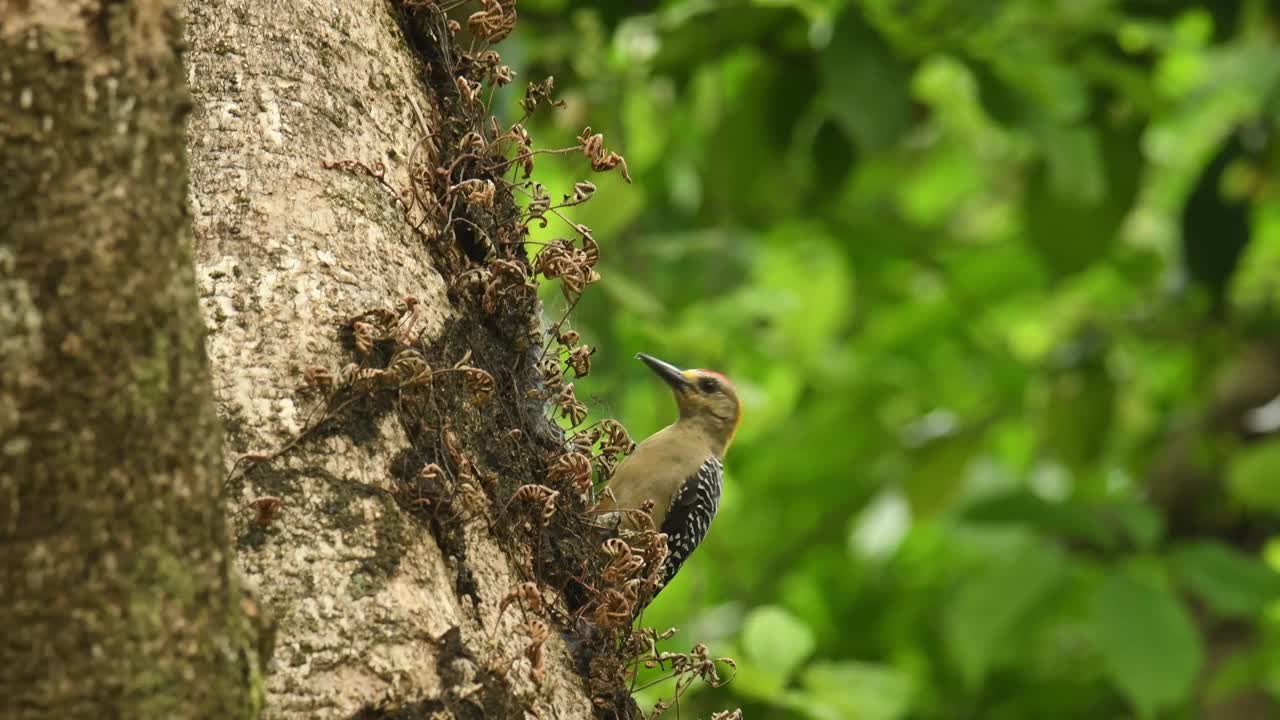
x=708 y=385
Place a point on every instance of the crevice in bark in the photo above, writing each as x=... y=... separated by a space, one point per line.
x=476 y=692
x=513 y=438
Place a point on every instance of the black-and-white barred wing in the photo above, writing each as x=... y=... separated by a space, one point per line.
x=690 y=514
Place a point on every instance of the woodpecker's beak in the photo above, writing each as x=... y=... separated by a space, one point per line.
x=665 y=370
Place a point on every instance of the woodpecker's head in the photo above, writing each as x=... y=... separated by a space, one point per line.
x=706 y=399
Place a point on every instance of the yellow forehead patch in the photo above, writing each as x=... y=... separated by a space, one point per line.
x=689 y=375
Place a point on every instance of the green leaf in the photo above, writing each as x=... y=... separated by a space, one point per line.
x=1150 y=647
x=548 y=6
x=1022 y=507
x=1232 y=582
x=940 y=185
x=939 y=472
x=777 y=641
x=1072 y=207
x=757 y=681
x=631 y=296
x=981 y=620
x=850 y=689
x=1253 y=476
x=1075 y=166
x=1143 y=524
x=864 y=85
x=1078 y=416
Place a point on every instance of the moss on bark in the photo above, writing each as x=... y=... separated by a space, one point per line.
x=117 y=593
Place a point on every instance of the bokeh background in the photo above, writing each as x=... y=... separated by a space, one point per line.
x=999 y=283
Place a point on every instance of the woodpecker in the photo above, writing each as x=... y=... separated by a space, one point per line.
x=680 y=468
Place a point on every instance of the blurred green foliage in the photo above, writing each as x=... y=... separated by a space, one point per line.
x=998 y=283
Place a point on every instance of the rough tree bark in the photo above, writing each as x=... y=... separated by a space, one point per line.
x=384 y=516
x=371 y=612
x=117 y=595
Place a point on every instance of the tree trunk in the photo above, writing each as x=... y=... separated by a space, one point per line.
x=372 y=492
x=375 y=614
x=117 y=595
